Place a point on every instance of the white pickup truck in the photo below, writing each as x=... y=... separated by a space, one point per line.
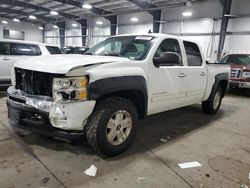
x=103 y=94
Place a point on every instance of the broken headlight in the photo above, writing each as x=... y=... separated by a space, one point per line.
x=71 y=88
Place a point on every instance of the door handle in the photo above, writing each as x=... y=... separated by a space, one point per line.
x=181 y=75
x=203 y=74
x=6 y=59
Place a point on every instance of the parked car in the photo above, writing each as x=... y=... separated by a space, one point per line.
x=240 y=70
x=102 y=95
x=13 y=50
x=78 y=50
x=67 y=49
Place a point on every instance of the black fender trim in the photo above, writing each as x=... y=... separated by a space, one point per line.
x=218 y=78
x=108 y=86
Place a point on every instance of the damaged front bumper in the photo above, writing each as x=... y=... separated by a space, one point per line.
x=41 y=114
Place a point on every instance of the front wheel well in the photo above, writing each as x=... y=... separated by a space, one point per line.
x=137 y=97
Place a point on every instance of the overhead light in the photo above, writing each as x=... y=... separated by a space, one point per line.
x=32 y=17
x=187 y=14
x=16 y=20
x=134 y=19
x=74 y=25
x=99 y=22
x=4 y=22
x=40 y=27
x=87 y=6
x=231 y=15
x=55 y=26
x=54 y=13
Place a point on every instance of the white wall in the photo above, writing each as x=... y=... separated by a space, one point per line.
x=199 y=31
x=145 y=23
x=31 y=32
x=73 y=35
x=239 y=42
x=97 y=33
x=208 y=9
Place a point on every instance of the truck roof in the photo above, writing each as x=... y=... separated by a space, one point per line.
x=158 y=35
x=26 y=42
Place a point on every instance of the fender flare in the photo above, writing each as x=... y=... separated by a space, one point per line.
x=218 y=78
x=106 y=86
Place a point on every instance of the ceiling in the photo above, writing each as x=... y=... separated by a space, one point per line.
x=72 y=9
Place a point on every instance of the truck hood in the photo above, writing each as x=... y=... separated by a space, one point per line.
x=240 y=66
x=62 y=64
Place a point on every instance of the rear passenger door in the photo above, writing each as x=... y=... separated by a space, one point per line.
x=5 y=61
x=197 y=73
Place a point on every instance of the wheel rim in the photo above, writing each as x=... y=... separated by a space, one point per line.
x=119 y=127
x=217 y=100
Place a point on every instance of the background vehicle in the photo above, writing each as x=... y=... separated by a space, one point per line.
x=103 y=94
x=75 y=50
x=240 y=70
x=13 y=50
x=67 y=49
x=78 y=50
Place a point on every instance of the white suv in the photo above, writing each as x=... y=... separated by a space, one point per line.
x=12 y=50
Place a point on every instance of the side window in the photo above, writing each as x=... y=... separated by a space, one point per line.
x=193 y=54
x=53 y=50
x=169 y=45
x=25 y=49
x=4 y=48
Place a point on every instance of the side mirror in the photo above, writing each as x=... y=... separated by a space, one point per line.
x=167 y=59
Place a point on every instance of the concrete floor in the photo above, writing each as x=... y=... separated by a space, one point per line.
x=221 y=143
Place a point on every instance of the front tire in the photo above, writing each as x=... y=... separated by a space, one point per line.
x=212 y=105
x=112 y=126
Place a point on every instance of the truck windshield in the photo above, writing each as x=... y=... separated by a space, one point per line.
x=236 y=60
x=132 y=47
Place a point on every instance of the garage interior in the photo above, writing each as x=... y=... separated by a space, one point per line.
x=219 y=143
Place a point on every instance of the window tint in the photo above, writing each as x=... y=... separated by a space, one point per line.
x=193 y=54
x=53 y=50
x=169 y=45
x=25 y=49
x=132 y=47
x=4 y=48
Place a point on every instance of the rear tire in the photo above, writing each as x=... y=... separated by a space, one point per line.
x=112 y=126
x=212 y=105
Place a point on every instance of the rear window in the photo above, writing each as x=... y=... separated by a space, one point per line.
x=193 y=54
x=53 y=50
x=25 y=49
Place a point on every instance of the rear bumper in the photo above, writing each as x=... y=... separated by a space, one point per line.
x=28 y=118
x=239 y=84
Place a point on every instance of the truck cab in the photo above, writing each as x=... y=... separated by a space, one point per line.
x=103 y=94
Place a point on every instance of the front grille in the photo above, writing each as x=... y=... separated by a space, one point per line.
x=34 y=82
x=236 y=73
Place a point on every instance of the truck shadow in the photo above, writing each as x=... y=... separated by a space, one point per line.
x=239 y=92
x=152 y=132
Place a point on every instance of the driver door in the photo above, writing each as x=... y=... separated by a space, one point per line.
x=168 y=84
